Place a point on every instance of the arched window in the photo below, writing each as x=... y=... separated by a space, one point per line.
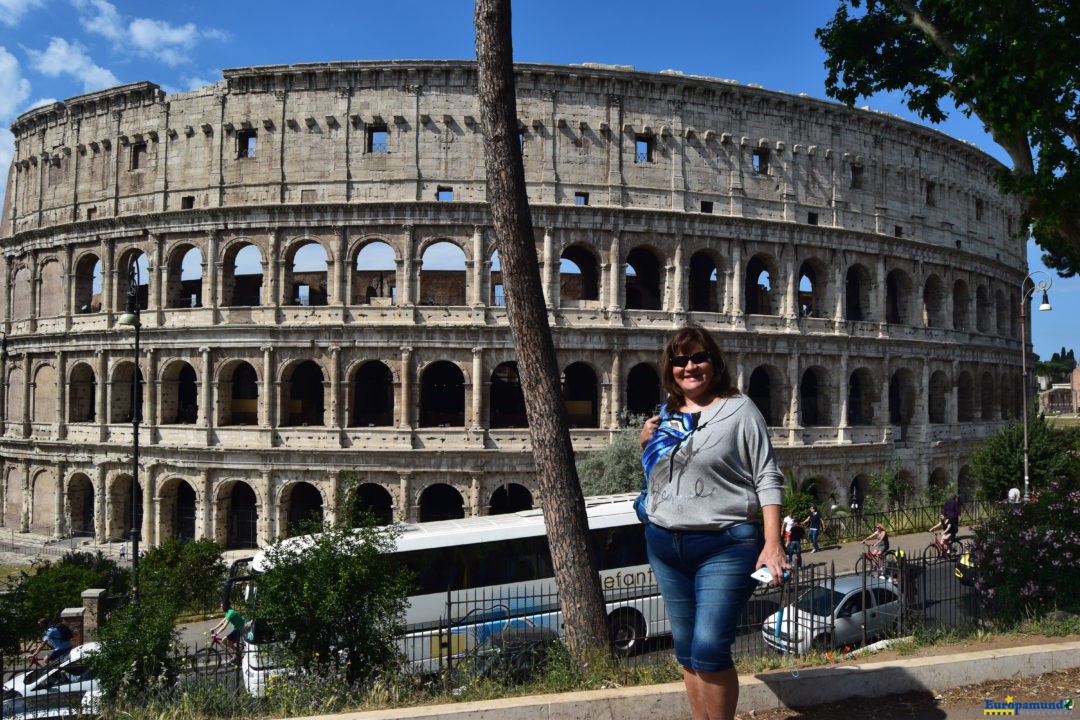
x=902 y=398
x=579 y=277
x=643 y=390
x=813 y=398
x=898 y=298
x=242 y=276
x=812 y=296
x=704 y=283
x=372 y=396
x=762 y=390
x=643 y=291
x=934 y=302
x=961 y=305
x=989 y=409
x=375 y=275
x=87 y=284
x=370 y=498
x=507 y=401
x=442 y=395
x=759 y=287
x=965 y=397
x=305 y=280
x=442 y=275
x=857 y=294
x=441 y=502
x=239 y=395
x=938 y=397
x=510 y=498
x=82 y=394
x=304 y=505
x=305 y=396
x=860 y=406
x=582 y=395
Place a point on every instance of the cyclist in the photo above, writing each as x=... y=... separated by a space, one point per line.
x=948 y=529
x=55 y=637
x=881 y=543
x=236 y=620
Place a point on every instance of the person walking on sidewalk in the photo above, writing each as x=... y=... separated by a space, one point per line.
x=814 y=524
x=710 y=473
x=795 y=536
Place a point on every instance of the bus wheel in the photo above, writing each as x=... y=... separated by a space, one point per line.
x=627 y=631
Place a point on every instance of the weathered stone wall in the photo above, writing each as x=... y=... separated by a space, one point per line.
x=859 y=271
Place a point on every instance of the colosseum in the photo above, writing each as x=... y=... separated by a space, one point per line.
x=322 y=313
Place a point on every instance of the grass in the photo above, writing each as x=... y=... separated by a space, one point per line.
x=1059 y=422
x=8 y=570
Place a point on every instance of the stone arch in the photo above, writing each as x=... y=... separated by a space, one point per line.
x=86 y=284
x=44 y=409
x=179 y=392
x=443 y=278
x=961 y=305
x=965 y=485
x=496 y=291
x=939 y=481
x=374 y=273
x=510 y=498
x=760 y=285
x=303 y=393
x=237 y=513
x=241 y=275
x=965 y=397
x=764 y=388
x=13 y=498
x=934 y=302
x=122 y=286
x=898 y=297
x=643 y=390
x=184 y=277
x=370 y=498
x=902 y=397
x=440 y=502
x=442 y=395
x=238 y=393
x=305 y=276
x=1014 y=315
x=857 y=492
x=937 y=397
x=644 y=279
x=20 y=293
x=813 y=290
x=581 y=393
x=705 y=287
x=119 y=522
x=371 y=395
x=814 y=404
x=301 y=503
x=862 y=396
x=579 y=274
x=51 y=289
x=983 y=310
x=987 y=407
x=177 y=509
x=79 y=499
x=1001 y=314
x=857 y=284
x=1010 y=406
x=82 y=393
x=15 y=412
x=506 y=403
x=43 y=510
x=121 y=407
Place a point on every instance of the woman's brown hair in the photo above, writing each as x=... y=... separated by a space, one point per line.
x=679 y=344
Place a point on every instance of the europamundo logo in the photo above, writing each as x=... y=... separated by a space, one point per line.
x=1055 y=708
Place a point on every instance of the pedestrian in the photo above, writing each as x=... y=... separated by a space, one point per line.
x=55 y=635
x=951 y=511
x=814 y=524
x=123 y=551
x=795 y=536
x=789 y=520
x=711 y=482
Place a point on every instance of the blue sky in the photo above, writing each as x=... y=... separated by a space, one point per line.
x=55 y=49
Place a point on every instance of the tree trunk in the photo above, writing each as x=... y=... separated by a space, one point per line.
x=576 y=573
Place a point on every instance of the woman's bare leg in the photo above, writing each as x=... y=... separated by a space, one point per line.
x=712 y=695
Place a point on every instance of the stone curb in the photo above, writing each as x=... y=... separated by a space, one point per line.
x=765 y=691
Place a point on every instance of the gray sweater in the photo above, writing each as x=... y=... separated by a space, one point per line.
x=720 y=475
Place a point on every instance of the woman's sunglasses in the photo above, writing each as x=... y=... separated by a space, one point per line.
x=697 y=358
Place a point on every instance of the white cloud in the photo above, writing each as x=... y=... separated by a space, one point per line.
x=70 y=58
x=11 y=11
x=14 y=88
x=40 y=102
x=147 y=37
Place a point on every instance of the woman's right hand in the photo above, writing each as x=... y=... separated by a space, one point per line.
x=649 y=429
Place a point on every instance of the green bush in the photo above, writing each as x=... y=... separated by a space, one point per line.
x=1027 y=557
x=336 y=601
x=616 y=468
x=48 y=587
x=139 y=658
x=998 y=464
x=191 y=573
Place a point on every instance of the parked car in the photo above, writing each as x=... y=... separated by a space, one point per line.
x=832 y=615
x=53 y=691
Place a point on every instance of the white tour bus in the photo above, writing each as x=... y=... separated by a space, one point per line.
x=493 y=573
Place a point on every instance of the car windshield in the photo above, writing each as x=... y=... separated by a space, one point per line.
x=820 y=601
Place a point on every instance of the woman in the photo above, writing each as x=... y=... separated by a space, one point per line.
x=880 y=546
x=710 y=469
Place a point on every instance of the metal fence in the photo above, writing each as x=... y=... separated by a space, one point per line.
x=843 y=528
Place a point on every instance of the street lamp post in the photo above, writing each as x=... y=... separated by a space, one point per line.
x=130 y=317
x=1029 y=287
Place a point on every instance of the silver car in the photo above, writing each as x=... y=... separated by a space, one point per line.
x=833 y=615
x=52 y=691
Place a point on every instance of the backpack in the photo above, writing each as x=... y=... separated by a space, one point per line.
x=64 y=632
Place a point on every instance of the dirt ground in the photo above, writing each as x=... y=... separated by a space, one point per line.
x=959 y=703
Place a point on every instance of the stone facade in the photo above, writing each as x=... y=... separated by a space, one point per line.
x=859 y=271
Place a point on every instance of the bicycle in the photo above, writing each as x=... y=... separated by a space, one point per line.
x=939 y=548
x=881 y=564
x=217 y=653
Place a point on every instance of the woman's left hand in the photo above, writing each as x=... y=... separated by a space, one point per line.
x=774 y=558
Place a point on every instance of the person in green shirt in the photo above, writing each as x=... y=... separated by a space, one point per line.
x=235 y=636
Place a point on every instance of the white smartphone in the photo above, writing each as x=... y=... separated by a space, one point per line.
x=762 y=575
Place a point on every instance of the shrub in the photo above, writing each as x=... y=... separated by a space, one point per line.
x=1027 y=556
x=138 y=659
x=190 y=572
x=998 y=463
x=616 y=468
x=336 y=600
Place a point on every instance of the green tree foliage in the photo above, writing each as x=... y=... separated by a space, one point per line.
x=799 y=495
x=998 y=464
x=616 y=468
x=190 y=572
x=138 y=658
x=1058 y=367
x=335 y=600
x=1026 y=556
x=888 y=489
x=49 y=587
x=1013 y=64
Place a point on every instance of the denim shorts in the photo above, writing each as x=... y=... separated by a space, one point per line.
x=705 y=581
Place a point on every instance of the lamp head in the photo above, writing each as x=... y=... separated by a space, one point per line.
x=130 y=316
x=1045 y=304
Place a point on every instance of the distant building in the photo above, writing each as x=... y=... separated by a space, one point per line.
x=1062 y=397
